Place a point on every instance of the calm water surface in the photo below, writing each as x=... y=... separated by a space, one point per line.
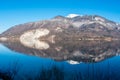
x=28 y=67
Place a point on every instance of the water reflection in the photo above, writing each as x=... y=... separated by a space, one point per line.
x=81 y=51
x=15 y=66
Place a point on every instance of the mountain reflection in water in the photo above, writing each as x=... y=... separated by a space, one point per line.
x=24 y=67
x=80 y=51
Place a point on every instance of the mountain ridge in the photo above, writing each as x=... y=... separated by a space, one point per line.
x=81 y=24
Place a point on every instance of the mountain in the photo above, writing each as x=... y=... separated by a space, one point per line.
x=86 y=25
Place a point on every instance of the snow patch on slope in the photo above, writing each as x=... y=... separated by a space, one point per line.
x=99 y=19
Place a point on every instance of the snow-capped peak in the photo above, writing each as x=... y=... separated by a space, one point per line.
x=72 y=15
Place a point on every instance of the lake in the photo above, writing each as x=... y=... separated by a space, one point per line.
x=95 y=60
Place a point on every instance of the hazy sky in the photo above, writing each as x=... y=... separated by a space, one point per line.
x=13 y=12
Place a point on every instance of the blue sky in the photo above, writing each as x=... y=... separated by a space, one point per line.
x=13 y=12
